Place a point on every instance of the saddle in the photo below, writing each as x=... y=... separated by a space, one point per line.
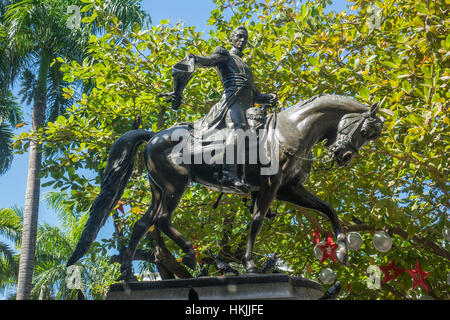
x=203 y=145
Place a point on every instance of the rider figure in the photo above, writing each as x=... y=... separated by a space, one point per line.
x=240 y=94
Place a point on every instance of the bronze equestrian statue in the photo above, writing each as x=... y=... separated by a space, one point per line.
x=288 y=138
x=240 y=94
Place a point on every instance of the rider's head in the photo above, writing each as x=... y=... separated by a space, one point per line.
x=239 y=38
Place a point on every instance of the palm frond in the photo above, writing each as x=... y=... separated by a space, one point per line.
x=129 y=12
x=10 y=115
x=57 y=103
x=11 y=223
x=52 y=240
x=6 y=151
x=70 y=220
x=10 y=229
x=9 y=108
x=7 y=255
x=28 y=86
x=8 y=274
x=48 y=279
x=10 y=63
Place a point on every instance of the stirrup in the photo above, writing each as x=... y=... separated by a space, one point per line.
x=231 y=179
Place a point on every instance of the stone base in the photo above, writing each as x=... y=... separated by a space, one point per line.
x=242 y=287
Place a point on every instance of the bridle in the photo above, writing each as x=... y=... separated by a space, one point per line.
x=347 y=140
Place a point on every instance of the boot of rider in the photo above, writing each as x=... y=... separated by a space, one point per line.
x=230 y=174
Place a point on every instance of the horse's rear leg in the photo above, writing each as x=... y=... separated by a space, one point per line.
x=172 y=179
x=139 y=230
x=163 y=218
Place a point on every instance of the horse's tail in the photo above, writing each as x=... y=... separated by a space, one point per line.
x=118 y=171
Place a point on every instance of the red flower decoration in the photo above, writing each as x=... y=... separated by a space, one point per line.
x=328 y=249
x=418 y=276
x=390 y=272
x=316 y=236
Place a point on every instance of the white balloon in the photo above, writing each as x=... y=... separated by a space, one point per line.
x=327 y=276
x=354 y=241
x=317 y=252
x=382 y=241
x=341 y=252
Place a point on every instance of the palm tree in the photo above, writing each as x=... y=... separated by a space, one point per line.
x=10 y=231
x=10 y=114
x=52 y=278
x=54 y=246
x=37 y=33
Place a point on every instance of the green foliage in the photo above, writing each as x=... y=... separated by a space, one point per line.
x=10 y=232
x=398 y=183
x=10 y=114
x=54 y=245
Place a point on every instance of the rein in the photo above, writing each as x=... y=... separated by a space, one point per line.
x=347 y=140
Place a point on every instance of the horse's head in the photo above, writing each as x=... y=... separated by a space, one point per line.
x=354 y=131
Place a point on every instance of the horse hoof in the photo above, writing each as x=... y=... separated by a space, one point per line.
x=189 y=260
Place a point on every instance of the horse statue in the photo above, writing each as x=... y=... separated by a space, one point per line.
x=345 y=124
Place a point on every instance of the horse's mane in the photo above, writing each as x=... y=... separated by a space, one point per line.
x=323 y=98
x=340 y=106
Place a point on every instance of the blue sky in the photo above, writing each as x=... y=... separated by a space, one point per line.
x=13 y=182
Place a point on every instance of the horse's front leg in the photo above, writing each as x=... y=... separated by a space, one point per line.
x=262 y=204
x=299 y=196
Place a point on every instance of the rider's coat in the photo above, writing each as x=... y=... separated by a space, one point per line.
x=240 y=92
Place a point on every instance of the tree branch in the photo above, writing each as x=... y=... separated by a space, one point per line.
x=434 y=247
x=164 y=257
x=313 y=221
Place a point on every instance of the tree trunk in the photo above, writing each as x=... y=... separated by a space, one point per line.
x=32 y=194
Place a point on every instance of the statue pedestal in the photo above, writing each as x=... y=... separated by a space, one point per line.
x=242 y=287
